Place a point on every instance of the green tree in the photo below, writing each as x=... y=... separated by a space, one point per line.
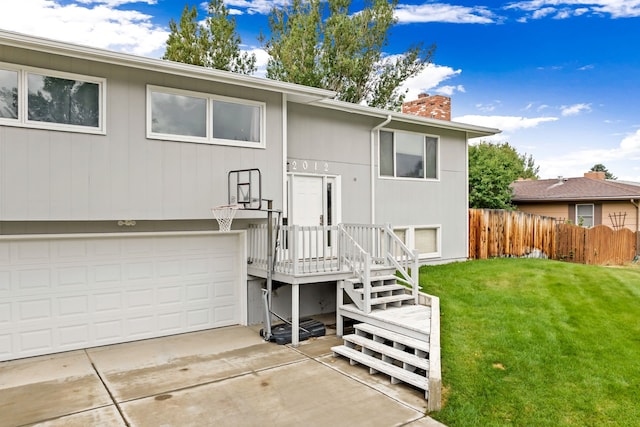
x=215 y=44
x=343 y=52
x=601 y=168
x=492 y=169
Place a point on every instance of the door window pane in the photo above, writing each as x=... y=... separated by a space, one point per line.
x=178 y=114
x=8 y=94
x=63 y=101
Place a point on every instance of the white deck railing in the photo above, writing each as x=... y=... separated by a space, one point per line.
x=304 y=250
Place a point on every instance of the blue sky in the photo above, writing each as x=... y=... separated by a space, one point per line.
x=561 y=78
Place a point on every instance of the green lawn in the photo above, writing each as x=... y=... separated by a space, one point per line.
x=531 y=342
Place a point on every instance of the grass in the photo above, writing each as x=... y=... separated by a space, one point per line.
x=529 y=342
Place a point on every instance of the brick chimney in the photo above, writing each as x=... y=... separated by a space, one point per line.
x=431 y=106
x=595 y=175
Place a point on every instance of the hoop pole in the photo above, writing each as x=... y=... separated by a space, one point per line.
x=267 y=326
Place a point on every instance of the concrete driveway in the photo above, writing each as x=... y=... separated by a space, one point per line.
x=220 y=377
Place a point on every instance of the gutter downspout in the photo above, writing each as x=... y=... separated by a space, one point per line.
x=637 y=205
x=373 y=167
x=466 y=189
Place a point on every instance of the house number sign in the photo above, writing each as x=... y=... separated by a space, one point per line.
x=309 y=166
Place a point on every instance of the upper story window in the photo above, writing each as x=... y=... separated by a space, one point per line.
x=47 y=99
x=181 y=115
x=408 y=155
x=584 y=215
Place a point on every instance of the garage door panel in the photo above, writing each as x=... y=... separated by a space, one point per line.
x=106 y=290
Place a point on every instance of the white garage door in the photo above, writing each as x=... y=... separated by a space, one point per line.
x=71 y=292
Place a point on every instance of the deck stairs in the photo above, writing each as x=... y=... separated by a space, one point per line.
x=395 y=328
x=392 y=337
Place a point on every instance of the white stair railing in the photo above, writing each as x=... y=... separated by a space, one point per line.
x=405 y=260
x=358 y=260
x=323 y=249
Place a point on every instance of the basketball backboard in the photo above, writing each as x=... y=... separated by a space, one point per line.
x=245 y=188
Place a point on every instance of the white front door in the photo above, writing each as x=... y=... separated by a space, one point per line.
x=314 y=201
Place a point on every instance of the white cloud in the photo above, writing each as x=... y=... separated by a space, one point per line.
x=574 y=110
x=256 y=7
x=428 y=79
x=505 y=123
x=614 y=8
x=441 y=12
x=262 y=58
x=541 y=13
x=448 y=90
x=98 y=25
x=115 y=3
x=618 y=160
x=487 y=108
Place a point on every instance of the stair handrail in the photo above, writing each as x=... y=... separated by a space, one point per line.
x=358 y=261
x=405 y=260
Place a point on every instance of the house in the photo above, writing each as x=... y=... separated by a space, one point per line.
x=111 y=163
x=589 y=200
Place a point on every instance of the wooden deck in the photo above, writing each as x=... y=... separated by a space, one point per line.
x=411 y=320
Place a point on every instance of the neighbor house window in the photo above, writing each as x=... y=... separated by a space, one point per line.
x=584 y=215
x=408 y=155
x=51 y=100
x=181 y=115
x=424 y=239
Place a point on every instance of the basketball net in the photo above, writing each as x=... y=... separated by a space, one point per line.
x=224 y=215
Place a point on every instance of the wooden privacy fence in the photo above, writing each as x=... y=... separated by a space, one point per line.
x=500 y=233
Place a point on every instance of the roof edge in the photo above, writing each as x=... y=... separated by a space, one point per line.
x=473 y=131
x=46 y=45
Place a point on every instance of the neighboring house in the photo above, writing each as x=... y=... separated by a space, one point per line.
x=110 y=164
x=588 y=201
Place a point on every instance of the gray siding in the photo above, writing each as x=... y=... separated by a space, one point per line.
x=342 y=140
x=53 y=175
x=442 y=202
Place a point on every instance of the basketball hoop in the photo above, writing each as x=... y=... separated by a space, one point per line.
x=224 y=215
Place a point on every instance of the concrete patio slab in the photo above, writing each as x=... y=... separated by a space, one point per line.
x=223 y=377
x=298 y=394
x=48 y=387
x=182 y=362
x=107 y=416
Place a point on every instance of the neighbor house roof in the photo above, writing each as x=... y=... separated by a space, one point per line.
x=592 y=186
x=294 y=92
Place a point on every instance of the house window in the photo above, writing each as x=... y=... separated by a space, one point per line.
x=408 y=155
x=181 y=115
x=584 y=215
x=8 y=94
x=424 y=239
x=46 y=99
x=234 y=121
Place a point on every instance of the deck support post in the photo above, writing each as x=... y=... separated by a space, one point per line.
x=295 y=315
x=339 y=302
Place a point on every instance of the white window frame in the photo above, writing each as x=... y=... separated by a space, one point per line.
x=410 y=231
x=23 y=97
x=593 y=214
x=208 y=139
x=395 y=169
